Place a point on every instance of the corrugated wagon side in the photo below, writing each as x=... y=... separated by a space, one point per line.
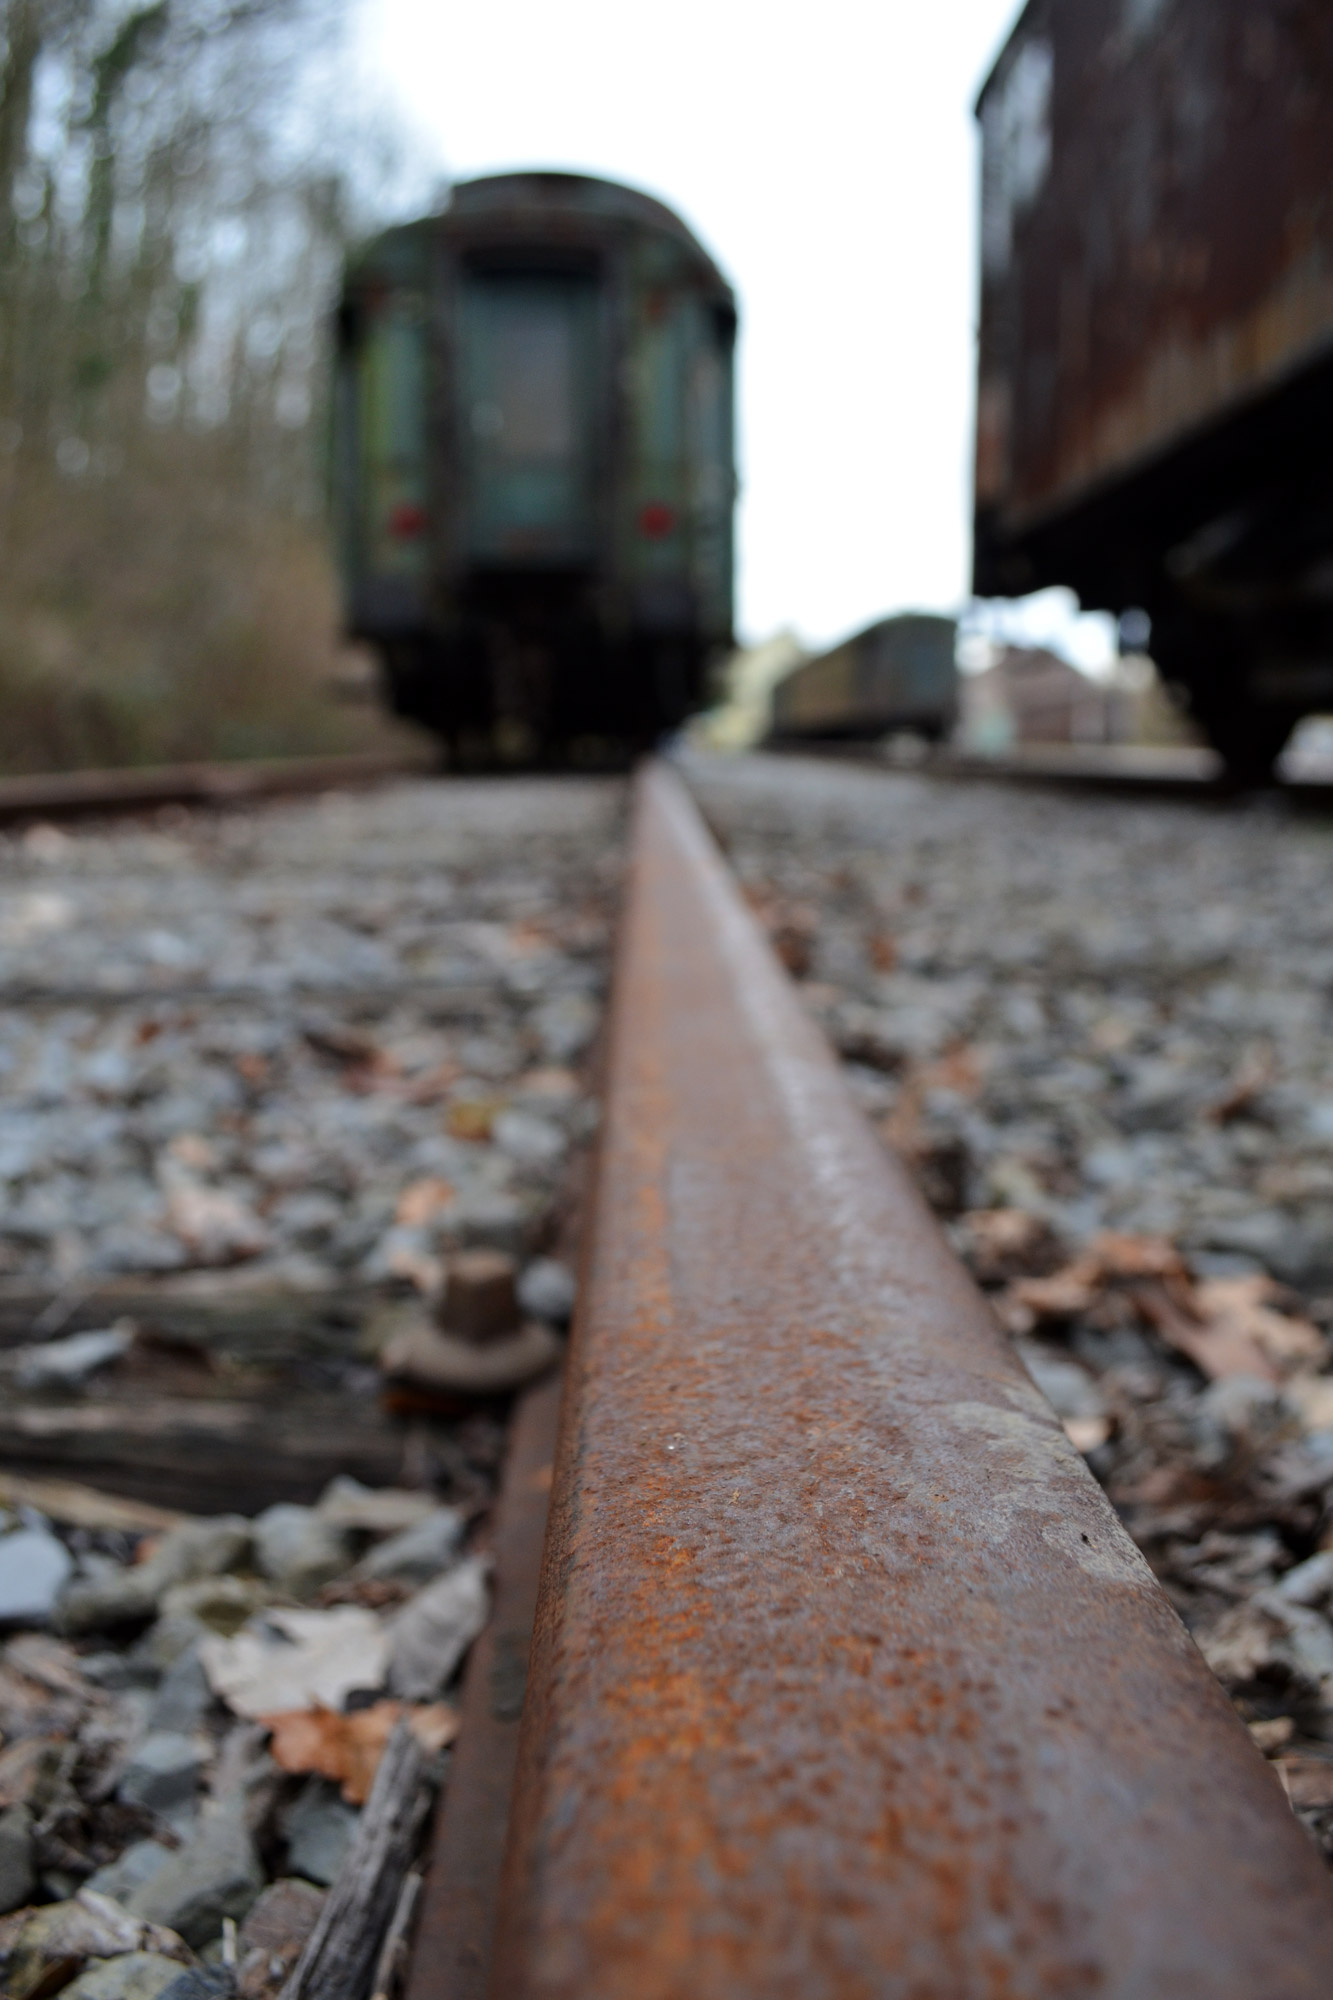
x=1156 y=363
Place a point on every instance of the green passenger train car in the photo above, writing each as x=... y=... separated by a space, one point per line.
x=534 y=464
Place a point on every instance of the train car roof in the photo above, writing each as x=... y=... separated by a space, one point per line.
x=533 y=189
x=1017 y=29
x=538 y=187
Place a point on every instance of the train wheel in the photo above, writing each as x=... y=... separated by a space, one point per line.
x=1211 y=660
x=1249 y=739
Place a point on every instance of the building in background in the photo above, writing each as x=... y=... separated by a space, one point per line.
x=1030 y=695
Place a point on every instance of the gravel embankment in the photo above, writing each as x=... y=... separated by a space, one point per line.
x=1098 y=1029
x=285 y=1095
x=236 y=1040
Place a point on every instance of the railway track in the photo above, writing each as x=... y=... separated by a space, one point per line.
x=1118 y=770
x=833 y=1671
x=845 y=1678
x=67 y=795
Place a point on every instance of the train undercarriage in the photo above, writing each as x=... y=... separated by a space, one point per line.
x=526 y=673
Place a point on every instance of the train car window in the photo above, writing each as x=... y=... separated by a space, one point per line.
x=534 y=386
x=529 y=362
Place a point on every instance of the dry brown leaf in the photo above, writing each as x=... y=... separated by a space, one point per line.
x=957 y=1069
x=526 y=938
x=348 y=1046
x=347 y=1748
x=434 y=1085
x=26 y=1766
x=213 y=1225
x=27 y=1709
x=1217 y=1350
x=1063 y=1295
x=551 y=1080
x=1122 y=1256
x=1308 y=1781
x=1272 y=1734
x=420 y=1201
x=1159 y=1274
x=1231 y=1329
x=85 y=1506
x=1086 y=1433
x=472 y=1117
x=1010 y=1243
x=1244 y=1305
x=1254 y=1075
x=51 y=1664
x=416 y=1267
x=792 y=927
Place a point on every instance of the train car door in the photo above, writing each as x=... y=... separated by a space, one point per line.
x=527 y=379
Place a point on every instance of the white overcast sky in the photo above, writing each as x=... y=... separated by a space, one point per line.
x=826 y=156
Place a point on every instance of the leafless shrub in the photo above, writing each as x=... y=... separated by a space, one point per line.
x=170 y=233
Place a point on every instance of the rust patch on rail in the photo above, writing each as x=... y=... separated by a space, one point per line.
x=846 y=1680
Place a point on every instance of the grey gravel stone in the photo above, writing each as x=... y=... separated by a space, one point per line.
x=319 y=1827
x=191 y=1611
x=433 y=1631
x=296 y=1548
x=18 y=1876
x=193 y=1551
x=117 y=1672
x=532 y=1141
x=216 y=1874
x=277 y=1928
x=68 y=1363
x=135 y=1975
x=163 y=1776
x=184 y=1697
x=418 y=1553
x=564 y=1026
x=34 y=1568
x=481 y=1219
x=130 y=1870
x=546 y=1290
x=203 y=1982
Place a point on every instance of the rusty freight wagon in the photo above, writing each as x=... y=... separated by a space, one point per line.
x=1156 y=367
x=534 y=466
x=896 y=675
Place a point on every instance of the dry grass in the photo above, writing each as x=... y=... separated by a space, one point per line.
x=152 y=616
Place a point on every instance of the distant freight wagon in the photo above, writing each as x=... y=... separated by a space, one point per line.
x=896 y=675
x=534 y=464
x=1155 y=401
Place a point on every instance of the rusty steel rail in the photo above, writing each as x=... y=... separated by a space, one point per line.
x=452 y=1952
x=82 y=794
x=1128 y=771
x=846 y=1679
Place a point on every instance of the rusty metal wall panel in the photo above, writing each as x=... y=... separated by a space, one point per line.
x=1157 y=225
x=846 y=1680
